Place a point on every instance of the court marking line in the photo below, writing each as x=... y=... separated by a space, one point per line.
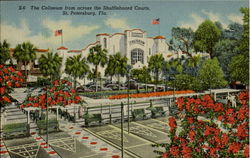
x=111 y=143
x=25 y=150
x=130 y=134
x=138 y=145
x=61 y=141
x=150 y=128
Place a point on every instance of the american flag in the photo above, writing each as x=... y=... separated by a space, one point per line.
x=58 y=32
x=155 y=21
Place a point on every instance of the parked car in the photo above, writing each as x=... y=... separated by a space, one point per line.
x=90 y=84
x=83 y=89
x=116 y=87
x=99 y=88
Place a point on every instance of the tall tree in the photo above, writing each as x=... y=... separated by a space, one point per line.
x=120 y=66
x=155 y=65
x=4 y=52
x=77 y=67
x=110 y=69
x=50 y=65
x=97 y=56
x=239 y=65
x=25 y=53
x=211 y=74
x=206 y=36
x=182 y=40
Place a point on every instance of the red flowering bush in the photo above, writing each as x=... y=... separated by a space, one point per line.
x=209 y=129
x=58 y=94
x=9 y=78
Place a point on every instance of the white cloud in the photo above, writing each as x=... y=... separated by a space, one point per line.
x=211 y=15
x=235 y=18
x=195 y=22
x=18 y=34
x=117 y=23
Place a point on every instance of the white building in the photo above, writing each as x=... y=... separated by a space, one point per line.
x=134 y=44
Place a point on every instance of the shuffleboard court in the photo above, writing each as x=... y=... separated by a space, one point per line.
x=25 y=148
x=132 y=143
x=155 y=124
x=67 y=146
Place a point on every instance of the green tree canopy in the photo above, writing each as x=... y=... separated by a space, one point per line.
x=182 y=40
x=206 y=37
x=25 y=53
x=155 y=65
x=97 y=56
x=77 y=67
x=239 y=65
x=110 y=69
x=141 y=75
x=120 y=63
x=4 y=52
x=239 y=68
x=50 y=65
x=186 y=82
x=211 y=74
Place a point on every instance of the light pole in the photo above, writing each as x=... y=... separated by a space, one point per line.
x=128 y=71
x=47 y=116
x=122 y=117
x=172 y=78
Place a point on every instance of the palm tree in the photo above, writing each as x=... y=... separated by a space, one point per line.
x=120 y=66
x=25 y=53
x=155 y=65
x=110 y=69
x=77 y=67
x=97 y=56
x=193 y=63
x=4 y=52
x=50 y=65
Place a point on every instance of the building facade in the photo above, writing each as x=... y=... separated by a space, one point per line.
x=134 y=44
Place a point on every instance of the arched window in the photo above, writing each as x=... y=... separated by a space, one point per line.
x=137 y=55
x=105 y=42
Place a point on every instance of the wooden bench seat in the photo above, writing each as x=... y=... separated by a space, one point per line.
x=138 y=114
x=15 y=130
x=53 y=126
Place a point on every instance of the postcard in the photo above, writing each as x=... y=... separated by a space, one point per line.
x=124 y=79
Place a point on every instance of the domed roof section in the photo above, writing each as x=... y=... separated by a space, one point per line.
x=159 y=37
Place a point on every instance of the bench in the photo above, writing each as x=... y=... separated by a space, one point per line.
x=138 y=114
x=69 y=117
x=15 y=130
x=53 y=126
x=158 y=111
x=92 y=118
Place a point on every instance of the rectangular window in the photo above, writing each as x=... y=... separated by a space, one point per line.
x=140 y=35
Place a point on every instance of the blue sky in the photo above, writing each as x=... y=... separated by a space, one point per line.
x=38 y=26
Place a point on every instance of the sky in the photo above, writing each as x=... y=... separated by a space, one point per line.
x=19 y=23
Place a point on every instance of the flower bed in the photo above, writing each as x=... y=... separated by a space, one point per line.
x=146 y=95
x=201 y=138
x=58 y=94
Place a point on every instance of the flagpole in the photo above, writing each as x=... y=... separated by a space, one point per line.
x=62 y=39
x=159 y=31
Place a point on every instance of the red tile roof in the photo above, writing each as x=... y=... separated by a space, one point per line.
x=42 y=50
x=62 y=48
x=74 y=51
x=102 y=34
x=159 y=37
x=90 y=45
